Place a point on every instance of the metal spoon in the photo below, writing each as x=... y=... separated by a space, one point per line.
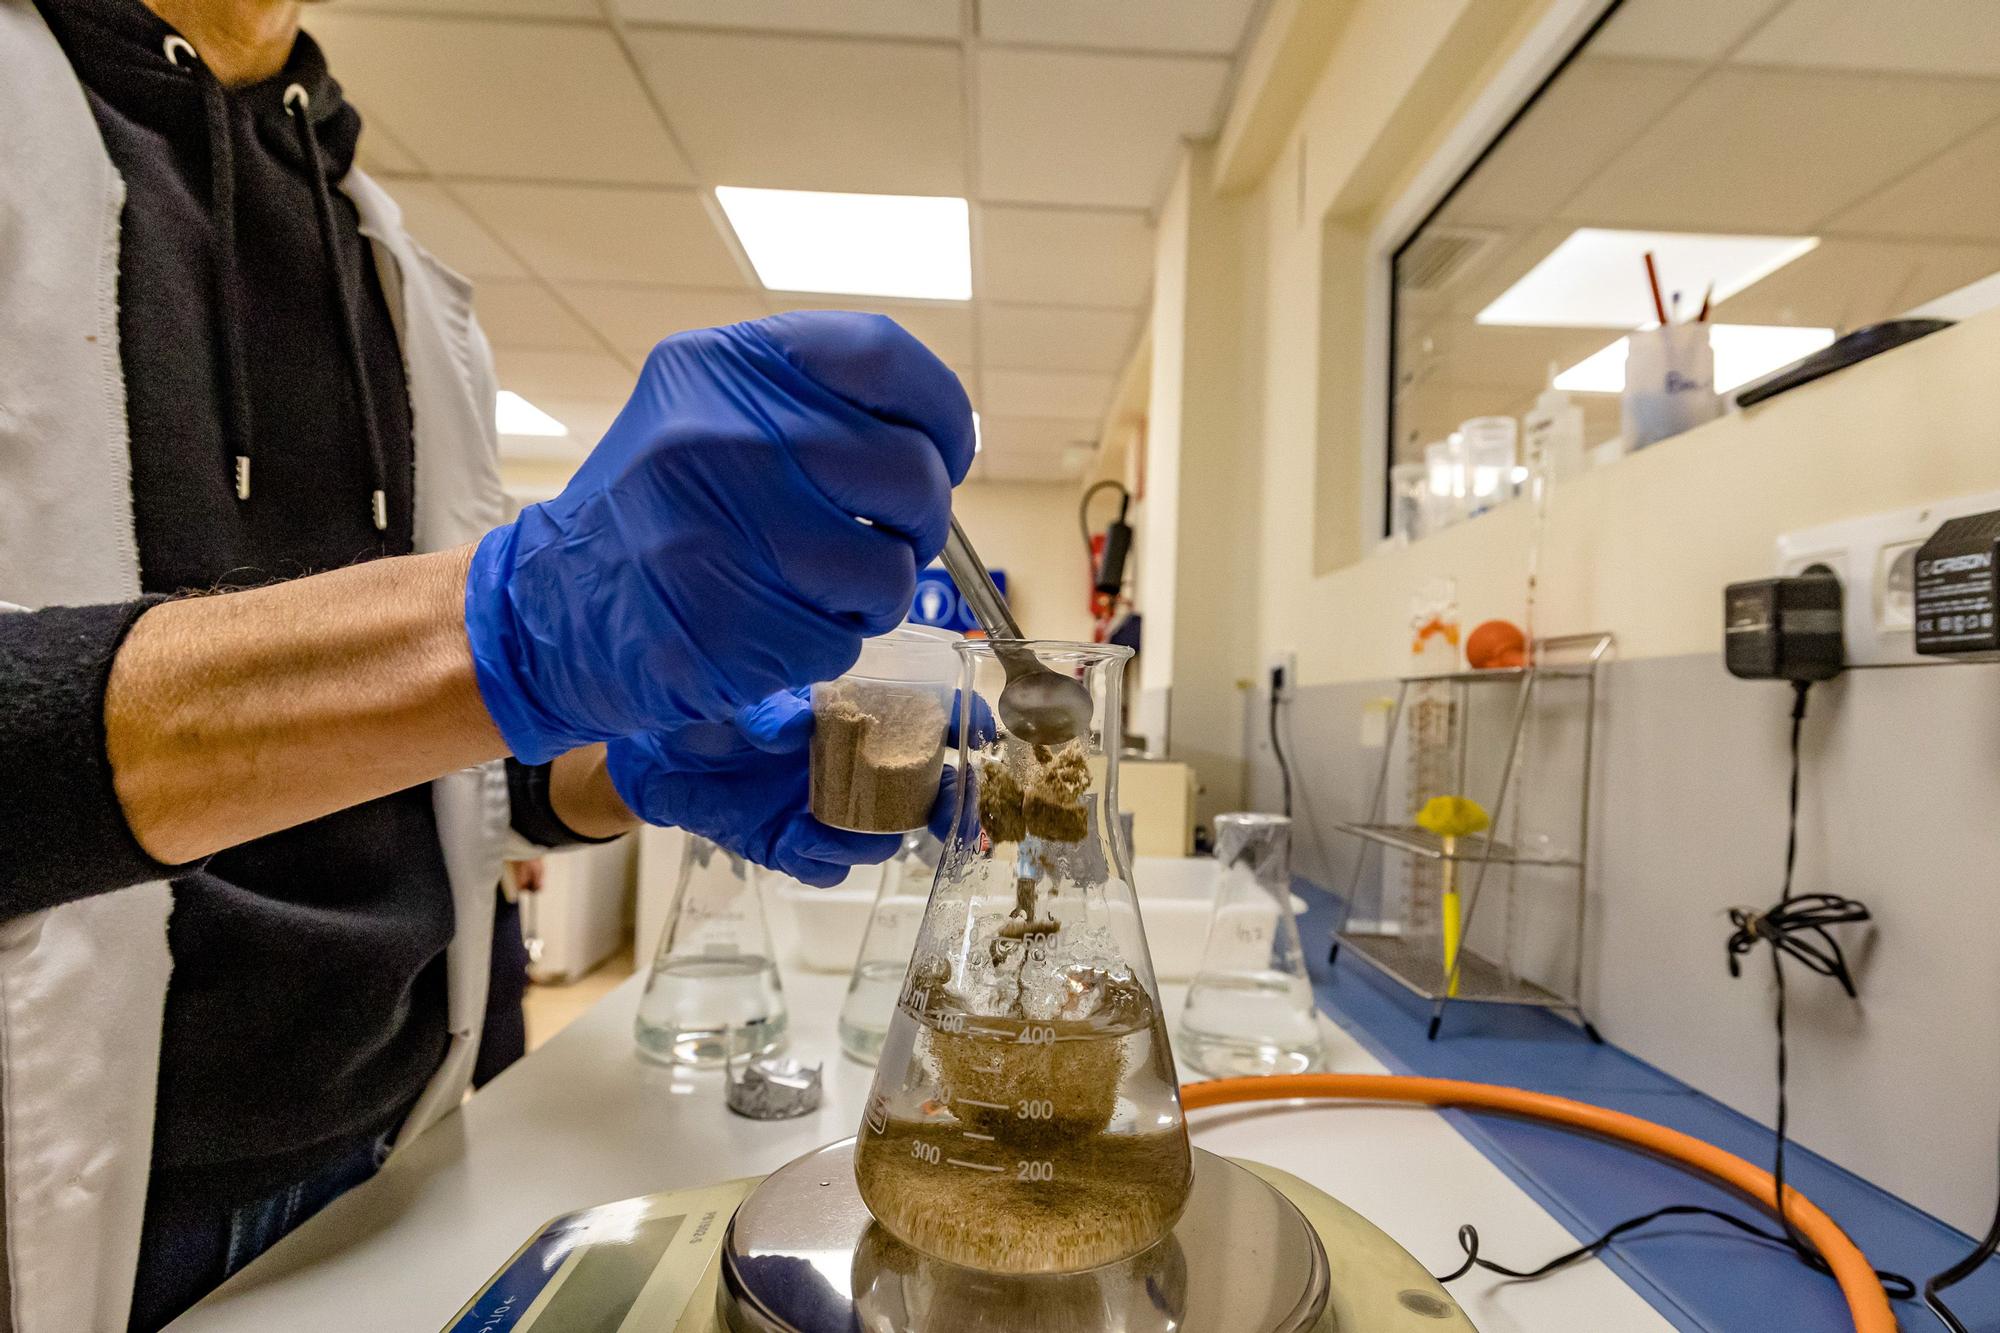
x=1037 y=704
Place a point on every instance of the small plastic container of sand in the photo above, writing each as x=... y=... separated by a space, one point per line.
x=878 y=733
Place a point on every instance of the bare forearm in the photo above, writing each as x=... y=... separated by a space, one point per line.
x=583 y=798
x=233 y=716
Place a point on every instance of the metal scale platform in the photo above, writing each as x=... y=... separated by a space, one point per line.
x=1256 y=1251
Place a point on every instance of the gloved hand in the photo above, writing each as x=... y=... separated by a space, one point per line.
x=743 y=785
x=707 y=553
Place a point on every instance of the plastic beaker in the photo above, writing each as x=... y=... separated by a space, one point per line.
x=1449 y=492
x=1409 y=491
x=878 y=733
x=1489 y=461
x=1025 y=1116
x=1669 y=383
x=884 y=956
x=713 y=993
x=1250 y=1008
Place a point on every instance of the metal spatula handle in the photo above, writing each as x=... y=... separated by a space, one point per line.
x=976 y=586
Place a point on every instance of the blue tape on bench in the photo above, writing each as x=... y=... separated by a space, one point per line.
x=1700 y=1275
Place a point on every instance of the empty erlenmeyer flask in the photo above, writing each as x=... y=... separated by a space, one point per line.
x=1250 y=1007
x=1025 y=1117
x=714 y=992
x=884 y=958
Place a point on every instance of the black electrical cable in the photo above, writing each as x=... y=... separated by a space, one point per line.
x=1277 y=742
x=1083 y=512
x=1957 y=1273
x=1796 y=928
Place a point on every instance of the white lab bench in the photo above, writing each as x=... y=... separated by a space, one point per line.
x=585 y=1120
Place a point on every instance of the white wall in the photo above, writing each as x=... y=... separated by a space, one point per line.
x=1198 y=579
x=1641 y=548
x=1030 y=530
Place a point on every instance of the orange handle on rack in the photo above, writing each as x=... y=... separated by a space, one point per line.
x=1866 y=1300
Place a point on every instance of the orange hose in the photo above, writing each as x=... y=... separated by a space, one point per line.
x=1866 y=1300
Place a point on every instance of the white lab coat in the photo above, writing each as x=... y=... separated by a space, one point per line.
x=83 y=986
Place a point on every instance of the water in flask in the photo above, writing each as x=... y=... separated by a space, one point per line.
x=713 y=993
x=1250 y=1008
x=1025 y=1116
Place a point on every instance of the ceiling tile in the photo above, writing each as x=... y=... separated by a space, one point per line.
x=634 y=318
x=943 y=326
x=1035 y=435
x=1936 y=37
x=1046 y=394
x=599 y=234
x=1026 y=337
x=1049 y=256
x=1210 y=27
x=1572 y=132
x=867 y=18
x=1848 y=282
x=587 y=418
x=1070 y=128
x=1025 y=467
x=450 y=232
x=1781 y=150
x=380 y=154
x=1679 y=29
x=524 y=315
x=563 y=376
x=811 y=113
x=553 y=101
x=1954 y=195
x=528 y=9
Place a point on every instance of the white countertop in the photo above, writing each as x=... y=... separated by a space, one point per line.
x=585 y=1120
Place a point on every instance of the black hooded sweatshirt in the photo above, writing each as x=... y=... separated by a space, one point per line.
x=306 y=1008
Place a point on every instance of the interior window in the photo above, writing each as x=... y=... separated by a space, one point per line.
x=1805 y=167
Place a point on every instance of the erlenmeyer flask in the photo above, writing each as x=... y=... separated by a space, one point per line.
x=1250 y=1008
x=884 y=959
x=714 y=992
x=1025 y=1117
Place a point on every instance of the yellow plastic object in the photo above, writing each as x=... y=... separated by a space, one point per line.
x=1867 y=1303
x=1452 y=818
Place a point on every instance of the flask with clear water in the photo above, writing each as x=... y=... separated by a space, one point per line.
x=1025 y=1116
x=884 y=957
x=713 y=993
x=1250 y=1008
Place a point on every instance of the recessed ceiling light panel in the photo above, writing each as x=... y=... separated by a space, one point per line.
x=1743 y=352
x=515 y=415
x=854 y=244
x=1597 y=277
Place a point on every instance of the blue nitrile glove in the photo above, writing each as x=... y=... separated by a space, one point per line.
x=743 y=785
x=707 y=553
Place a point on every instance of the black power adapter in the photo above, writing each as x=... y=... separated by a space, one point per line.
x=1784 y=628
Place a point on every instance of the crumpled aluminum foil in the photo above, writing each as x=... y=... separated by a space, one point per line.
x=772 y=1089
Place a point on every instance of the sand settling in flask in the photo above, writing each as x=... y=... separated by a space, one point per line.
x=1025 y=1116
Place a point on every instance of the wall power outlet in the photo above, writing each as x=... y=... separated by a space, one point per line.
x=1875 y=558
x=1282 y=670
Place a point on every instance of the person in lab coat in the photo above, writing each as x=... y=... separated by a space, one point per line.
x=267 y=644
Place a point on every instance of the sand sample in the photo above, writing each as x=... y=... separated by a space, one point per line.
x=877 y=755
x=1044 y=800
x=1037 y=1180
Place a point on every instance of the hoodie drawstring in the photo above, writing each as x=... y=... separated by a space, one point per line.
x=222 y=211
x=298 y=105
x=222 y=269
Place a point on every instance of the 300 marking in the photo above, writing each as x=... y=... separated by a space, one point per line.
x=927 y=1153
x=1035 y=1108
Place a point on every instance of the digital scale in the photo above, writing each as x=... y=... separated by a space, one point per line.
x=1255 y=1251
